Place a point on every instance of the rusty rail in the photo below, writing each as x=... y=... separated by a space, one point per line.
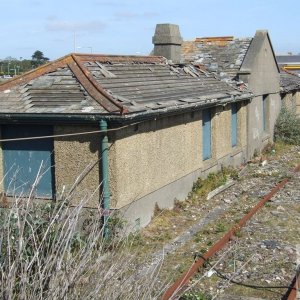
x=291 y=293
x=180 y=283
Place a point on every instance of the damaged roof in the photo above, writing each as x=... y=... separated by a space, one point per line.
x=112 y=85
x=221 y=55
x=289 y=81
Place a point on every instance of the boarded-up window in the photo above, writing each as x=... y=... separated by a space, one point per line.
x=206 y=134
x=234 y=132
x=28 y=164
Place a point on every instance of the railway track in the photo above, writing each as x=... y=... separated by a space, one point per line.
x=182 y=283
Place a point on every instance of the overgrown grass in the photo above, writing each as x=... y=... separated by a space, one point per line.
x=55 y=251
x=214 y=180
x=287 y=127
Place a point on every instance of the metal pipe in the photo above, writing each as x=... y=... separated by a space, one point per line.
x=105 y=177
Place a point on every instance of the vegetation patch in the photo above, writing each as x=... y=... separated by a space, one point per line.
x=287 y=128
x=214 y=180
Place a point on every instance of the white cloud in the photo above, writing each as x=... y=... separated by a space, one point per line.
x=61 y=25
x=125 y=15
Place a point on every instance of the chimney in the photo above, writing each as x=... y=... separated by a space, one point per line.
x=167 y=42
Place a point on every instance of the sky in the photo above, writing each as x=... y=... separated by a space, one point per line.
x=59 y=27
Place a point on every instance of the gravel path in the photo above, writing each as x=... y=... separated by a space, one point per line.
x=263 y=254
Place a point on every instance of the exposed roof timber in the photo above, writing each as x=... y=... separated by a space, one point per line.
x=75 y=62
x=93 y=88
x=120 y=59
x=214 y=39
x=42 y=70
x=64 y=61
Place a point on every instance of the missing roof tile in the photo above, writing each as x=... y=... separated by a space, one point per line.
x=104 y=71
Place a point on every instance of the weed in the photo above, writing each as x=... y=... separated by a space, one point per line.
x=209 y=243
x=203 y=186
x=238 y=233
x=179 y=205
x=220 y=227
x=198 y=239
x=231 y=172
x=287 y=127
x=157 y=210
x=194 y=296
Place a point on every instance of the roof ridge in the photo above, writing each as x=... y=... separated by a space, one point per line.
x=33 y=74
x=90 y=84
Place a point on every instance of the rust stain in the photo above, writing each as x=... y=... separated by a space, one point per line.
x=42 y=70
x=291 y=293
x=120 y=58
x=218 y=40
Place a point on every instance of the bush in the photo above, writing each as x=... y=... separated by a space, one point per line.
x=287 y=127
x=55 y=251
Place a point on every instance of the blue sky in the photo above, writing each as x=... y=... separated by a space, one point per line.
x=127 y=27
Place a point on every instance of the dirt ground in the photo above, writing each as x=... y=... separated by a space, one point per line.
x=261 y=260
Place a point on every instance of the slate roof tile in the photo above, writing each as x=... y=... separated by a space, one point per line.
x=223 y=56
x=108 y=84
x=289 y=81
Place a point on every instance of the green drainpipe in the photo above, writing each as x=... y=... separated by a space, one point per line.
x=105 y=176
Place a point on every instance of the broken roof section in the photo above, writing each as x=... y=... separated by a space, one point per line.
x=113 y=85
x=221 y=55
x=289 y=81
x=225 y=56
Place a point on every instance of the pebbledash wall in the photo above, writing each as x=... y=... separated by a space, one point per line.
x=292 y=101
x=160 y=160
x=155 y=162
x=76 y=164
x=77 y=161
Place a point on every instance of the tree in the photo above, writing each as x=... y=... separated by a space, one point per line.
x=38 y=58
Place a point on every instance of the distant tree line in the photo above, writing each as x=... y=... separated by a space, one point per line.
x=13 y=66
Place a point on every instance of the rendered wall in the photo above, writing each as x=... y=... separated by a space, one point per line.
x=158 y=153
x=297 y=96
x=77 y=158
x=164 y=151
x=292 y=101
x=263 y=80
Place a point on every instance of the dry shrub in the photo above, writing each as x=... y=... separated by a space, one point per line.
x=55 y=251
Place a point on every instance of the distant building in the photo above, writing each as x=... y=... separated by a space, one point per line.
x=289 y=62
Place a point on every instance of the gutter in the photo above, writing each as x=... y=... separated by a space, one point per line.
x=116 y=117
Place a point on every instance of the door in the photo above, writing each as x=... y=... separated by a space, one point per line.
x=28 y=163
x=206 y=134
x=233 y=124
